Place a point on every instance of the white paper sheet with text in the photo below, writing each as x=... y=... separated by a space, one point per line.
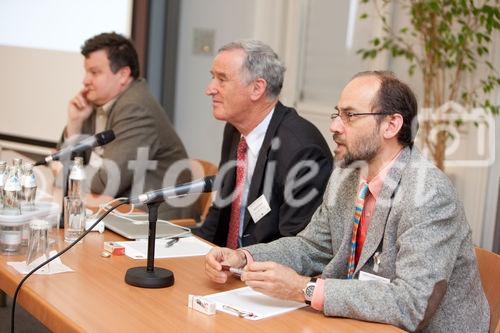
x=250 y=304
x=185 y=247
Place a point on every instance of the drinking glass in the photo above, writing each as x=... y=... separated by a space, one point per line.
x=74 y=218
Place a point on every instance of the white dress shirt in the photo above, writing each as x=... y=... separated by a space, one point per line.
x=101 y=120
x=254 y=141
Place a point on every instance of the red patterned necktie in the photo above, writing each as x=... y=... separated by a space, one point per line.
x=241 y=170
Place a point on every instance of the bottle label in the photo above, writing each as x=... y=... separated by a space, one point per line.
x=11 y=237
x=29 y=181
x=12 y=184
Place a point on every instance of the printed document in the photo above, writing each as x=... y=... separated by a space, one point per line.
x=249 y=304
x=184 y=247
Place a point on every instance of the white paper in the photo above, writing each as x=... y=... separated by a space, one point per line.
x=246 y=300
x=99 y=227
x=185 y=247
x=54 y=267
x=365 y=276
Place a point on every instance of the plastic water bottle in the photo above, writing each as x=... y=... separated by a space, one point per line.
x=3 y=178
x=18 y=162
x=76 y=179
x=29 y=187
x=12 y=189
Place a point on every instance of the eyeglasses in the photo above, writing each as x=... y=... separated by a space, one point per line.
x=346 y=116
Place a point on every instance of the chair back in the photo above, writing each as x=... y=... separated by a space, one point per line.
x=489 y=269
x=202 y=168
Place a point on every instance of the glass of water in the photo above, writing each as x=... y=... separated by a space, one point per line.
x=38 y=242
x=74 y=218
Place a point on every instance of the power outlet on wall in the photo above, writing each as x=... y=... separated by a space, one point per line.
x=203 y=41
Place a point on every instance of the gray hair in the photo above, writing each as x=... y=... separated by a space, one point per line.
x=261 y=62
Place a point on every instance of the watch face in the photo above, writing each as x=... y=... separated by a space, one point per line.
x=310 y=291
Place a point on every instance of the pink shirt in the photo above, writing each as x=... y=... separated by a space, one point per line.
x=374 y=186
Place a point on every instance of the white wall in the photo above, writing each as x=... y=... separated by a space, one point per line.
x=40 y=58
x=60 y=25
x=35 y=88
x=200 y=132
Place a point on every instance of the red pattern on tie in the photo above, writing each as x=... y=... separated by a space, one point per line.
x=241 y=170
x=361 y=234
x=360 y=202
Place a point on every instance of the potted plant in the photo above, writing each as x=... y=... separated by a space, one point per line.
x=448 y=42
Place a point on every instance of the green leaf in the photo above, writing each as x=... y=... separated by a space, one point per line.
x=461 y=39
x=434 y=6
x=454 y=36
x=411 y=69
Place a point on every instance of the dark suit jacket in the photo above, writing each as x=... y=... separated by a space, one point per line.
x=299 y=140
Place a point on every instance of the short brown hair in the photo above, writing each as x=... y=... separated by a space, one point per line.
x=120 y=50
x=395 y=96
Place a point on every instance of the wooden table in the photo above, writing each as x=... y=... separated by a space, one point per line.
x=95 y=298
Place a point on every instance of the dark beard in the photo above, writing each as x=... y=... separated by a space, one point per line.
x=365 y=151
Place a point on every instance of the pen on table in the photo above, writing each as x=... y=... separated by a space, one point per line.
x=240 y=313
x=171 y=241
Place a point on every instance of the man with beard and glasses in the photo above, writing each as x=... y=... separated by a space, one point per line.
x=390 y=242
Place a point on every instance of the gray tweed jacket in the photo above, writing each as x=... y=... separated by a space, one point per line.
x=421 y=236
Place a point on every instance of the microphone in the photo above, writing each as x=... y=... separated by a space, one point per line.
x=97 y=140
x=201 y=185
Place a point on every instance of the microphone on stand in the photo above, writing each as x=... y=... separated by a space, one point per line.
x=202 y=185
x=65 y=153
x=156 y=277
x=97 y=140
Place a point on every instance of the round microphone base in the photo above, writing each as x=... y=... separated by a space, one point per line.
x=141 y=277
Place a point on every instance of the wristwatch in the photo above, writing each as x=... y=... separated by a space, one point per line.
x=309 y=290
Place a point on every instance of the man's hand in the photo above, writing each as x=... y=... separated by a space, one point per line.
x=275 y=280
x=79 y=110
x=222 y=255
x=55 y=167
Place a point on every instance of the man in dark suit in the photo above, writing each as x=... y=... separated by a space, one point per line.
x=274 y=164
